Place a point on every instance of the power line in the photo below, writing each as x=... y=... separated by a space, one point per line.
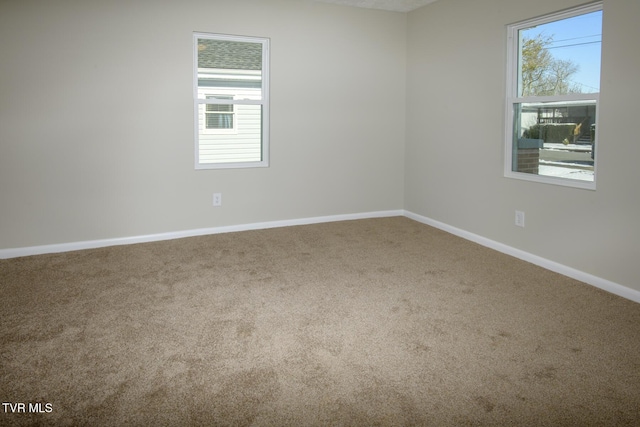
x=575 y=44
x=576 y=38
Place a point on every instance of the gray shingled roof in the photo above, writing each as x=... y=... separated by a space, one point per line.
x=229 y=55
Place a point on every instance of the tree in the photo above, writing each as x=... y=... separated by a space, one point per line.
x=542 y=74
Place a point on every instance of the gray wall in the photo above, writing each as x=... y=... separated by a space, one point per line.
x=455 y=133
x=96 y=130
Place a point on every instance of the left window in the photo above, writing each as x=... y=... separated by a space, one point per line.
x=231 y=101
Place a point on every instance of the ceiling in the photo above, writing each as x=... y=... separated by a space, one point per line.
x=394 y=5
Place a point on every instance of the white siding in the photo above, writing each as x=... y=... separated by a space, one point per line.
x=243 y=143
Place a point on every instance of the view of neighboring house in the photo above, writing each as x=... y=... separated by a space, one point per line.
x=229 y=72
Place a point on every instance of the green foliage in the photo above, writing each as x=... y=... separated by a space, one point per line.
x=551 y=132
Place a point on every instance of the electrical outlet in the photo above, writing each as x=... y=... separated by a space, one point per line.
x=520 y=218
x=217 y=199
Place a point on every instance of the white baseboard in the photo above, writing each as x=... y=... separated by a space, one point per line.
x=590 y=279
x=91 y=244
x=598 y=282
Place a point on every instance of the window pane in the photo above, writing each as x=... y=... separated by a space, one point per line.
x=555 y=139
x=244 y=145
x=561 y=57
x=230 y=65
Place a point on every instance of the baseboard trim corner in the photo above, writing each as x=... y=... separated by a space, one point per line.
x=598 y=282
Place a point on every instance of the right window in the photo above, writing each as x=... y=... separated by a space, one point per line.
x=553 y=87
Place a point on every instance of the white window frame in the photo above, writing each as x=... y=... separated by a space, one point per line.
x=263 y=102
x=512 y=98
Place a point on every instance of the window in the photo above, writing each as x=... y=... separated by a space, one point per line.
x=231 y=101
x=219 y=117
x=553 y=86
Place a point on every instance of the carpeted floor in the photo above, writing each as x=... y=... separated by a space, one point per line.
x=381 y=322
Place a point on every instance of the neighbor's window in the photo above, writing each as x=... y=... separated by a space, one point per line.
x=231 y=99
x=219 y=117
x=553 y=88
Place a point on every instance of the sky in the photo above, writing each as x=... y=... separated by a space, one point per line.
x=578 y=39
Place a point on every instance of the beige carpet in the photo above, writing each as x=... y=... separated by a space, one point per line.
x=358 y=323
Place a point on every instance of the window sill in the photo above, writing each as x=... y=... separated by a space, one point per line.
x=552 y=180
